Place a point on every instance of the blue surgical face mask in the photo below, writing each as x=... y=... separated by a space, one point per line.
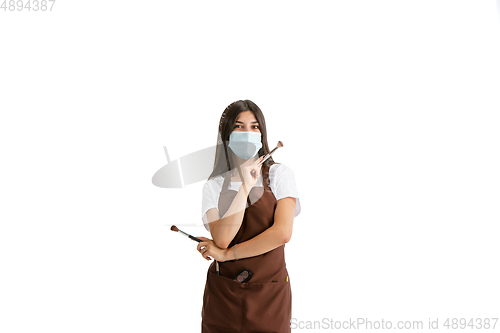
x=245 y=144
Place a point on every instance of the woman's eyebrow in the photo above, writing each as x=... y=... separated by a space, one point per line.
x=253 y=122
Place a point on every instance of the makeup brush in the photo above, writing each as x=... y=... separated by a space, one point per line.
x=174 y=228
x=279 y=145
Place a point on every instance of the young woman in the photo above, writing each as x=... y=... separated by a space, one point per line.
x=249 y=211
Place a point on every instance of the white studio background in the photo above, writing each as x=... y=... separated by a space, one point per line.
x=389 y=111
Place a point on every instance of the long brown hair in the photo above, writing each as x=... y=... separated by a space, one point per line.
x=223 y=158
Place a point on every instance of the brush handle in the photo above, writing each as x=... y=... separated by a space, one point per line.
x=194 y=238
x=188 y=235
x=267 y=156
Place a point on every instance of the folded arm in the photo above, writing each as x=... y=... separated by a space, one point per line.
x=224 y=229
x=276 y=235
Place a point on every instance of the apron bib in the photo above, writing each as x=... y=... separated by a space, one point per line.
x=264 y=303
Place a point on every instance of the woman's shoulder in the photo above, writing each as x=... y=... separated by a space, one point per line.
x=280 y=171
x=280 y=168
x=214 y=182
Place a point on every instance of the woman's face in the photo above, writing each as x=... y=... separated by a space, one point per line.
x=246 y=122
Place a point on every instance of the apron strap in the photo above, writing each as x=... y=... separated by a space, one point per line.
x=265 y=178
x=227 y=177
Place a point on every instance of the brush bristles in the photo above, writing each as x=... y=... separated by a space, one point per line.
x=174 y=228
x=280 y=144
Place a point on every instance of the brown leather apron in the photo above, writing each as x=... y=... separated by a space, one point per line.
x=264 y=303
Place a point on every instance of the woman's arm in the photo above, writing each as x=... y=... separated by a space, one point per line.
x=224 y=229
x=276 y=235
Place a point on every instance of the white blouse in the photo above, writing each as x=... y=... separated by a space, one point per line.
x=282 y=184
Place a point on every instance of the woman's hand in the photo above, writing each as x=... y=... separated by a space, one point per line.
x=208 y=248
x=251 y=173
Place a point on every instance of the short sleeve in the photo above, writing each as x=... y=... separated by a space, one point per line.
x=209 y=200
x=283 y=185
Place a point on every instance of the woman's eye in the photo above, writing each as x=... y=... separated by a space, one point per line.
x=240 y=126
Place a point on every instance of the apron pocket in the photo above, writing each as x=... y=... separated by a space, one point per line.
x=222 y=302
x=268 y=307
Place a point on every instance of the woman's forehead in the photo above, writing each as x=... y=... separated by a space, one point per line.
x=246 y=116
